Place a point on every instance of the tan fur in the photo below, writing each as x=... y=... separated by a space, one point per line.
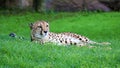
x=40 y=32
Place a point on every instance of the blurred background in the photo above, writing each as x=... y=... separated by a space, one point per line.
x=59 y=5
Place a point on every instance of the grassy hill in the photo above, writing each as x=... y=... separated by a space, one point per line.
x=21 y=53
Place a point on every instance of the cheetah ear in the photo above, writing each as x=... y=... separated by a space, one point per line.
x=31 y=25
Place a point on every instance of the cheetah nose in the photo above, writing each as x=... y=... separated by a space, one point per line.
x=45 y=31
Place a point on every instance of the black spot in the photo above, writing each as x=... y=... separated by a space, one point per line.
x=49 y=35
x=70 y=42
x=75 y=43
x=77 y=36
x=80 y=38
x=80 y=45
x=56 y=39
x=65 y=41
x=60 y=41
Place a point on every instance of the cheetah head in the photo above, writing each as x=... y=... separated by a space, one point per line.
x=39 y=29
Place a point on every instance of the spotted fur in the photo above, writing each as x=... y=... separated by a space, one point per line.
x=40 y=32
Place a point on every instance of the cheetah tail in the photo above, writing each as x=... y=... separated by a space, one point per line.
x=101 y=43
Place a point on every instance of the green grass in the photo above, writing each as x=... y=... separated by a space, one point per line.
x=100 y=27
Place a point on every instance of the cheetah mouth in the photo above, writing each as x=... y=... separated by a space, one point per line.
x=45 y=34
x=41 y=35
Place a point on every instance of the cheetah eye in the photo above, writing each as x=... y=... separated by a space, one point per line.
x=46 y=25
x=39 y=26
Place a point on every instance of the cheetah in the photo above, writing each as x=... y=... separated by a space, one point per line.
x=40 y=33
